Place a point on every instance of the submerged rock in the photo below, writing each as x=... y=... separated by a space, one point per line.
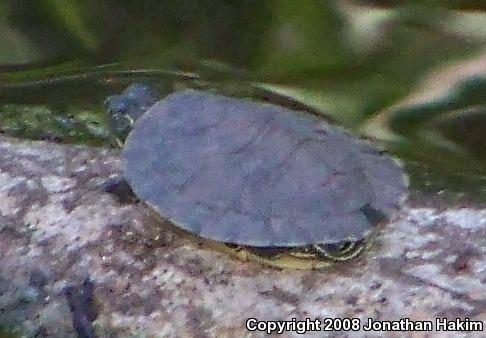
x=60 y=228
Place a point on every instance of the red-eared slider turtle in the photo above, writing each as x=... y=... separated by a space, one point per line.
x=274 y=185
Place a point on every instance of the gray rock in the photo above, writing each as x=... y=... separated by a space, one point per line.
x=76 y=262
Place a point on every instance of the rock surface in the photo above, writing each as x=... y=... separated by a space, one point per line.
x=76 y=261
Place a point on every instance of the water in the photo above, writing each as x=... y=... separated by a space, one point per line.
x=357 y=67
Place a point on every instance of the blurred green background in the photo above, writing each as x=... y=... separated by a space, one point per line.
x=409 y=74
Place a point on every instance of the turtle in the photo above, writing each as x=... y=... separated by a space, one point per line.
x=260 y=181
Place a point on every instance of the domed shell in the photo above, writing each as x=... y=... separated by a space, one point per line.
x=241 y=172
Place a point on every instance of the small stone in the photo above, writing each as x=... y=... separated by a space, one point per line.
x=57 y=184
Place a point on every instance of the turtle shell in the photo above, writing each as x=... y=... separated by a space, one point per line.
x=246 y=173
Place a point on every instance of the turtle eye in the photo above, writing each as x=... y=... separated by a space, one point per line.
x=117 y=106
x=121 y=108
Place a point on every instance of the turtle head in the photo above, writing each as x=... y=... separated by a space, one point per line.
x=124 y=109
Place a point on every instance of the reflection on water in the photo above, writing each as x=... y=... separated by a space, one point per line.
x=347 y=62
